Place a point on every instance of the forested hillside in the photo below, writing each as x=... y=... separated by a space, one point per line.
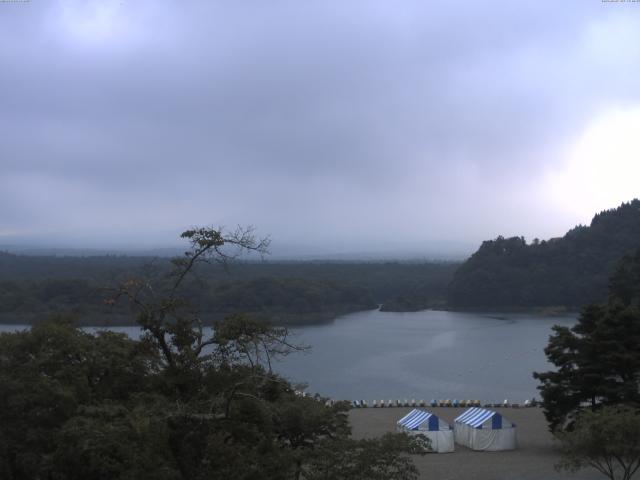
x=32 y=288
x=570 y=271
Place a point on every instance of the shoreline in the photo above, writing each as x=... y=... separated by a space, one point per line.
x=107 y=320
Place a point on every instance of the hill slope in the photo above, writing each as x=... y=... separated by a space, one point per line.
x=570 y=271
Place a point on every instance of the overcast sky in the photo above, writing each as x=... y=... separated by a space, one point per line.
x=336 y=125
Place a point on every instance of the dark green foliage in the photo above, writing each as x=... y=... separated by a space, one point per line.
x=271 y=297
x=570 y=271
x=597 y=360
x=624 y=286
x=48 y=374
x=607 y=440
x=76 y=406
x=378 y=459
x=32 y=288
x=176 y=405
x=111 y=441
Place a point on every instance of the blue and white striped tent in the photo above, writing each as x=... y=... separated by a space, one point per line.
x=419 y=422
x=481 y=429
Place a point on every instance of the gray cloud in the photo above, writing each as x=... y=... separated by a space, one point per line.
x=352 y=124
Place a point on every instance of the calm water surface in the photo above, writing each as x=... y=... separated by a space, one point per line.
x=429 y=354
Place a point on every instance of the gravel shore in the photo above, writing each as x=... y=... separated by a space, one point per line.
x=533 y=460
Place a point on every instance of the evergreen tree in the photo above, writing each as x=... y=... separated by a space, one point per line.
x=598 y=359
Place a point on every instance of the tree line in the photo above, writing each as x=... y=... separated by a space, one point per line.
x=571 y=271
x=288 y=293
x=178 y=403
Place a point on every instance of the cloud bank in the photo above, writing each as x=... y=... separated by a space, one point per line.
x=358 y=125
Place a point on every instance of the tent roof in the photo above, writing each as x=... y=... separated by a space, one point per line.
x=474 y=417
x=414 y=418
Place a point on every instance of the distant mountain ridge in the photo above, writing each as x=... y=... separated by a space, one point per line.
x=570 y=271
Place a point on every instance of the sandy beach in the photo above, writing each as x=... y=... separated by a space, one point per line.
x=534 y=458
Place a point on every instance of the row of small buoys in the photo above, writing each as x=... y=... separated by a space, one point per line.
x=439 y=403
x=455 y=403
x=398 y=403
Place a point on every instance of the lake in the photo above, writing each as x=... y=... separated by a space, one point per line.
x=429 y=354
x=422 y=355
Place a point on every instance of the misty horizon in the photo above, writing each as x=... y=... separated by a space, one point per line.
x=452 y=250
x=406 y=127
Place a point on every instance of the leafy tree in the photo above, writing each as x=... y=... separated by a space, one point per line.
x=112 y=441
x=369 y=459
x=48 y=374
x=181 y=403
x=607 y=440
x=597 y=360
